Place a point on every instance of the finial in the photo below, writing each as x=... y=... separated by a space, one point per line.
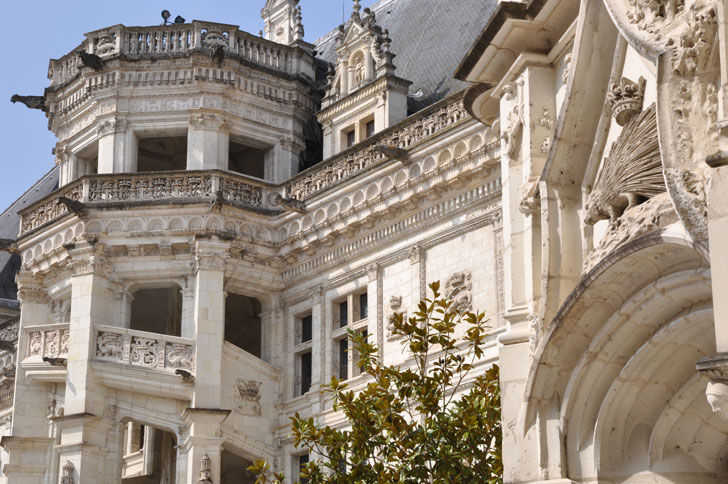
x=355 y=12
x=298 y=31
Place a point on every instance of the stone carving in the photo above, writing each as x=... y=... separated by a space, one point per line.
x=695 y=44
x=106 y=43
x=459 y=289
x=546 y=120
x=9 y=332
x=32 y=102
x=567 y=68
x=205 y=470
x=546 y=145
x=513 y=126
x=650 y=14
x=395 y=304
x=51 y=343
x=67 y=473
x=631 y=174
x=626 y=98
x=49 y=210
x=145 y=352
x=655 y=213
x=531 y=201
x=248 y=397
x=109 y=345
x=180 y=356
x=109 y=126
x=717 y=395
x=123 y=347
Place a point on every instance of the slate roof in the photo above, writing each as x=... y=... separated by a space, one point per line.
x=9 y=228
x=429 y=39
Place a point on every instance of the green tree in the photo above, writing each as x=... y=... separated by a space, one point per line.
x=413 y=424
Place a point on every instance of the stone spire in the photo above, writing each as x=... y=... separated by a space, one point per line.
x=298 y=26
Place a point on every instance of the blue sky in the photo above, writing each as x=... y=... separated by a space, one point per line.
x=36 y=31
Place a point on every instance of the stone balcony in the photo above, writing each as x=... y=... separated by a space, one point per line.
x=44 y=342
x=118 y=190
x=144 y=362
x=166 y=41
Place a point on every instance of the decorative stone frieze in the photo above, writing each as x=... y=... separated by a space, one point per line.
x=49 y=341
x=209 y=121
x=247 y=396
x=631 y=174
x=459 y=289
x=137 y=348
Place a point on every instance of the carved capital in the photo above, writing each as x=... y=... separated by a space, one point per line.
x=415 y=254
x=209 y=121
x=62 y=152
x=111 y=126
x=94 y=264
x=33 y=295
x=373 y=272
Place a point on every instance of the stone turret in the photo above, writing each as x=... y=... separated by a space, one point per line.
x=363 y=94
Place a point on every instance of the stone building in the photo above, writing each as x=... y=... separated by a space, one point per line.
x=225 y=206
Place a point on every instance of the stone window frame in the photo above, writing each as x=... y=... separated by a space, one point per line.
x=339 y=333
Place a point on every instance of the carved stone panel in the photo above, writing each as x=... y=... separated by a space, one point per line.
x=247 y=397
x=459 y=288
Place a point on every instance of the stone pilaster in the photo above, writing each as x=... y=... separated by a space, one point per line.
x=211 y=257
x=200 y=447
x=114 y=146
x=208 y=141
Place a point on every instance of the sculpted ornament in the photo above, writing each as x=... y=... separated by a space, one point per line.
x=248 y=397
x=458 y=288
x=631 y=174
x=626 y=98
x=682 y=35
x=395 y=304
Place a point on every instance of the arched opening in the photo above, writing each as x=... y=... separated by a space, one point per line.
x=234 y=469
x=248 y=158
x=157 y=310
x=149 y=455
x=243 y=324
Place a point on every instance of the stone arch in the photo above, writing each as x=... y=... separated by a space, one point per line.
x=444 y=157
x=196 y=223
x=115 y=226
x=135 y=225
x=67 y=236
x=47 y=246
x=461 y=149
x=332 y=210
x=295 y=227
x=319 y=216
x=476 y=141
x=176 y=223
x=387 y=184
x=57 y=241
x=345 y=204
x=358 y=198
x=400 y=178
x=78 y=229
x=155 y=225
x=372 y=191
x=613 y=385
x=428 y=165
x=214 y=223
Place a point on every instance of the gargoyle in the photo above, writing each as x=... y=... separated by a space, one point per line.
x=393 y=153
x=291 y=204
x=32 y=102
x=73 y=206
x=218 y=55
x=55 y=361
x=91 y=60
x=187 y=377
x=8 y=245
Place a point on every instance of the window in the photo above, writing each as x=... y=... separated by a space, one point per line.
x=162 y=154
x=343 y=359
x=350 y=138
x=350 y=314
x=370 y=129
x=302 y=461
x=306 y=329
x=343 y=314
x=305 y=361
x=248 y=160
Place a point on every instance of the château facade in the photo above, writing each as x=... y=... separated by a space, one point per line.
x=226 y=206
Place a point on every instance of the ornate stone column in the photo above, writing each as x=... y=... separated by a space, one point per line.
x=208 y=141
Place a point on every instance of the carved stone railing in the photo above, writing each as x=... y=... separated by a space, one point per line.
x=423 y=125
x=6 y=397
x=168 y=40
x=150 y=187
x=139 y=348
x=50 y=340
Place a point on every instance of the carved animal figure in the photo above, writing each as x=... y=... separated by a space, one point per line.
x=218 y=55
x=631 y=174
x=32 y=102
x=91 y=60
x=291 y=204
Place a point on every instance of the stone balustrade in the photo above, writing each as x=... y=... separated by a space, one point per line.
x=50 y=341
x=140 y=348
x=6 y=398
x=424 y=125
x=181 y=186
x=175 y=39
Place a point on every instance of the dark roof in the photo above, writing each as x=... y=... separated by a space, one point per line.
x=10 y=226
x=429 y=39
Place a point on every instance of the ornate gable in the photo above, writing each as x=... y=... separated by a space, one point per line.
x=283 y=21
